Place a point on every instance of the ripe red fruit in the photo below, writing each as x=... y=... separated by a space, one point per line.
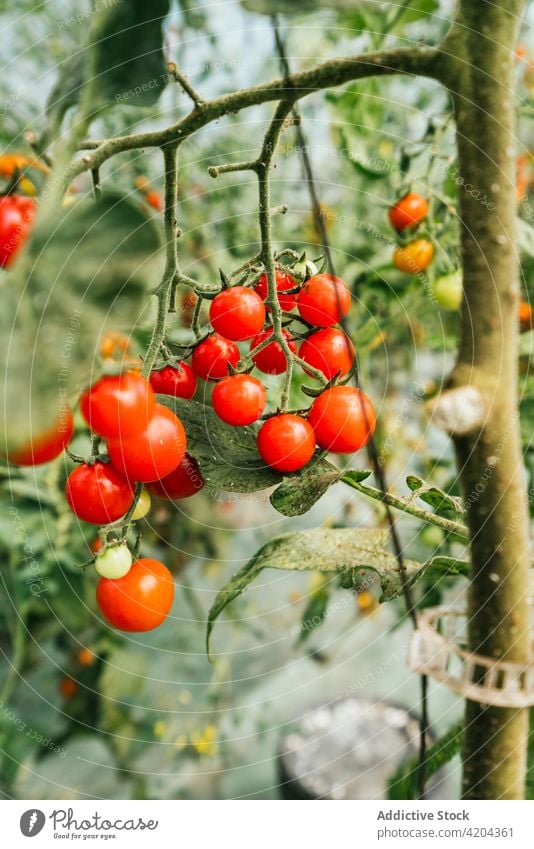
x=68 y=688
x=185 y=481
x=16 y=215
x=119 y=405
x=239 y=400
x=343 y=419
x=179 y=381
x=47 y=445
x=323 y=300
x=329 y=350
x=286 y=442
x=237 y=313
x=154 y=452
x=408 y=212
x=284 y=282
x=97 y=493
x=271 y=360
x=212 y=357
x=140 y=600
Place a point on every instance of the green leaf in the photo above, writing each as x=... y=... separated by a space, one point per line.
x=298 y=493
x=436 y=498
x=314 y=614
x=442 y=566
x=403 y=785
x=124 y=56
x=227 y=456
x=348 y=552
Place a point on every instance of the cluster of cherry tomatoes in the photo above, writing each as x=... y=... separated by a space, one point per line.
x=341 y=418
x=405 y=216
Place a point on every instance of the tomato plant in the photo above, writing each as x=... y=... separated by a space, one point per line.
x=185 y=480
x=408 y=212
x=271 y=359
x=139 y=600
x=97 y=493
x=239 y=400
x=329 y=350
x=343 y=419
x=154 y=452
x=414 y=257
x=212 y=356
x=16 y=215
x=237 y=313
x=323 y=300
x=286 y=442
x=287 y=298
x=179 y=381
x=118 y=406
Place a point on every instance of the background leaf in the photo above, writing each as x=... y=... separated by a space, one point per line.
x=404 y=785
x=124 y=55
x=347 y=551
x=85 y=272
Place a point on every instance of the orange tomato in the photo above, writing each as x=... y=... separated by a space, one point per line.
x=525 y=315
x=414 y=257
x=86 y=657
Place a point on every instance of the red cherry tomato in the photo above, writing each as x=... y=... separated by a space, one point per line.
x=213 y=355
x=154 y=452
x=185 y=481
x=154 y=200
x=98 y=494
x=408 y=212
x=119 y=405
x=286 y=442
x=140 y=600
x=179 y=381
x=237 y=313
x=239 y=400
x=16 y=215
x=329 y=350
x=283 y=283
x=47 y=445
x=343 y=419
x=271 y=360
x=68 y=688
x=323 y=300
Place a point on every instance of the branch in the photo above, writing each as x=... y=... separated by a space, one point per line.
x=448 y=525
x=336 y=72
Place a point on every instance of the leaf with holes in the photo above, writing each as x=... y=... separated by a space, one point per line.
x=298 y=493
x=227 y=456
x=345 y=551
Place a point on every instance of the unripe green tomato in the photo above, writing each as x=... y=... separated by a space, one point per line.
x=142 y=507
x=305 y=268
x=432 y=536
x=115 y=562
x=448 y=290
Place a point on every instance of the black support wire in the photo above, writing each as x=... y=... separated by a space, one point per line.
x=372 y=449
